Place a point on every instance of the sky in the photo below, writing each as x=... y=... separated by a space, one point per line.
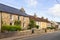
x=47 y=8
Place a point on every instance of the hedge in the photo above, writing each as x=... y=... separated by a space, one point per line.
x=37 y=26
x=11 y=28
x=50 y=27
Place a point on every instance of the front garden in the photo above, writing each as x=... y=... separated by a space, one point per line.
x=15 y=27
x=11 y=28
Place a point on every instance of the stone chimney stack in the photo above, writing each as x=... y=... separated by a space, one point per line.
x=22 y=9
x=46 y=18
x=35 y=15
x=42 y=17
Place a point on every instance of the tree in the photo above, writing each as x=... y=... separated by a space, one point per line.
x=32 y=24
x=37 y=26
x=17 y=22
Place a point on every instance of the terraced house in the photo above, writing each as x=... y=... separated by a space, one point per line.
x=8 y=15
x=41 y=22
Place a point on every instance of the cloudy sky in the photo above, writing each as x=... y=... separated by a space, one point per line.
x=47 y=8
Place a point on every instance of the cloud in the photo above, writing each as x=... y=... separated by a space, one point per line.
x=55 y=10
x=31 y=2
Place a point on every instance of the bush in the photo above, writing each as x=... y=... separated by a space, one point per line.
x=31 y=24
x=17 y=22
x=30 y=27
x=50 y=27
x=10 y=28
x=37 y=26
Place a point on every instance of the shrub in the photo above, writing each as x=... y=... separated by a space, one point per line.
x=37 y=26
x=17 y=22
x=50 y=27
x=31 y=24
x=10 y=28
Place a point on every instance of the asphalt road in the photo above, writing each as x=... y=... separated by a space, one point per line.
x=49 y=36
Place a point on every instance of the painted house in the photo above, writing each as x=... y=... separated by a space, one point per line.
x=58 y=25
x=44 y=23
x=8 y=15
x=54 y=24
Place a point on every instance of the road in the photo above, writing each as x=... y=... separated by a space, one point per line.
x=48 y=36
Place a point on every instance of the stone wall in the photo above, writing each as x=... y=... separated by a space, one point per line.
x=15 y=33
x=23 y=33
x=20 y=33
x=24 y=21
x=6 y=19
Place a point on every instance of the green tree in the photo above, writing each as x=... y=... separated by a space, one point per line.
x=37 y=26
x=32 y=24
x=17 y=22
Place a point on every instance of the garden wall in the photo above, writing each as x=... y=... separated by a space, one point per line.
x=22 y=33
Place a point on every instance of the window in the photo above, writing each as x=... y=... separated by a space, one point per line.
x=11 y=19
x=10 y=23
x=18 y=17
x=37 y=23
x=10 y=16
x=24 y=19
x=23 y=24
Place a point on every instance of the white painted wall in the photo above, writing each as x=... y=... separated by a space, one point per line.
x=59 y=26
x=38 y=23
x=48 y=24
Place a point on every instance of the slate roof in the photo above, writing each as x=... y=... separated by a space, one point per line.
x=11 y=10
x=58 y=22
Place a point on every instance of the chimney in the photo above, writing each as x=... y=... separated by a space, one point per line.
x=22 y=9
x=35 y=15
x=46 y=18
x=42 y=17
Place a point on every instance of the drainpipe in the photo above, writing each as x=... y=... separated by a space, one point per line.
x=0 y=21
